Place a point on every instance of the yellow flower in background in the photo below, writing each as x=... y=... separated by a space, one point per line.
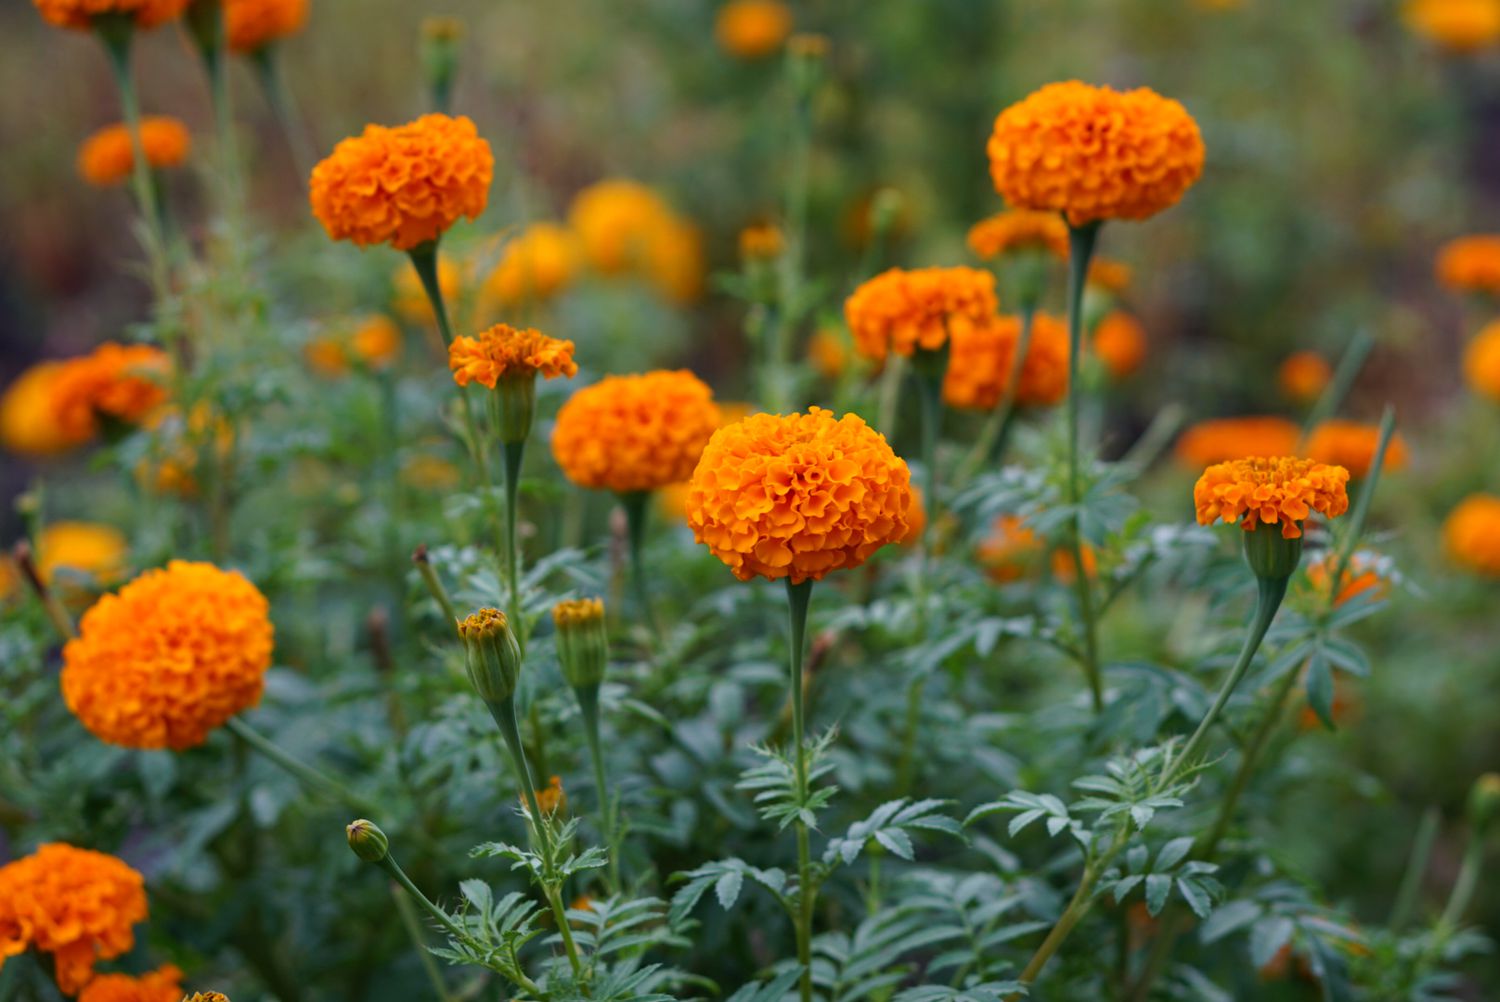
x=1108 y=274
x=1270 y=490
x=1460 y=26
x=1471 y=264
x=376 y=342
x=981 y=359
x=408 y=298
x=172 y=467
x=124 y=383
x=1303 y=376
x=1012 y=551
x=752 y=29
x=902 y=310
x=761 y=242
x=1471 y=534
x=503 y=352
x=28 y=423
x=64 y=551
x=162 y=985
x=1221 y=439
x=1351 y=445
x=1482 y=361
x=627 y=228
x=828 y=351
x=108 y=156
x=80 y=14
x=373 y=342
x=1016 y=230
x=552 y=798
x=250 y=25
x=1360 y=576
x=535 y=265
x=1120 y=343
x=674 y=261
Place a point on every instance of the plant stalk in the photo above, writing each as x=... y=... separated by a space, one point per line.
x=798 y=598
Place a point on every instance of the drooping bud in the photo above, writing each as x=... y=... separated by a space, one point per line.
x=368 y=841
x=1484 y=801
x=582 y=641
x=494 y=656
x=1272 y=557
x=439 y=52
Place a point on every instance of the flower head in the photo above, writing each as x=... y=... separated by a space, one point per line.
x=28 y=424
x=367 y=841
x=76 y=904
x=1482 y=361
x=626 y=227
x=207 y=997
x=635 y=433
x=1017 y=230
x=120 y=382
x=1094 y=152
x=1108 y=274
x=1456 y=25
x=761 y=242
x=1270 y=490
x=901 y=311
x=169 y=657
x=502 y=352
x=982 y=356
x=1120 y=342
x=493 y=654
x=1471 y=264
x=1012 y=551
x=752 y=29
x=1352 y=445
x=108 y=156
x=373 y=341
x=828 y=351
x=1471 y=534
x=80 y=14
x=69 y=549
x=1221 y=439
x=798 y=495
x=162 y=985
x=535 y=265
x=582 y=640
x=404 y=186
x=1303 y=376
x=251 y=25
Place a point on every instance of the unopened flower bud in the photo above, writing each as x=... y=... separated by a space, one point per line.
x=582 y=641
x=207 y=997
x=512 y=405
x=439 y=52
x=1272 y=557
x=1484 y=801
x=806 y=54
x=494 y=657
x=368 y=841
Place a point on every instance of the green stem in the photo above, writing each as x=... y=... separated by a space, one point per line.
x=424 y=258
x=1468 y=880
x=1416 y=867
x=890 y=394
x=434 y=584
x=588 y=705
x=1081 y=243
x=1078 y=907
x=1338 y=387
x=513 y=453
x=1248 y=761
x=906 y=767
x=414 y=933
x=284 y=109
x=999 y=419
x=798 y=598
x=301 y=771
x=636 y=505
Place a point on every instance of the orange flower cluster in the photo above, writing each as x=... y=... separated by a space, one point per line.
x=1094 y=152
x=1471 y=534
x=119 y=382
x=251 y=25
x=28 y=424
x=983 y=354
x=1303 y=376
x=1482 y=361
x=76 y=904
x=752 y=29
x=65 y=549
x=1120 y=342
x=626 y=227
x=403 y=186
x=108 y=156
x=1461 y=26
x=179 y=448
x=162 y=985
x=534 y=266
x=1351 y=445
x=1012 y=551
x=80 y=14
x=552 y=798
x=1270 y=490
x=504 y=352
x=798 y=495
x=1471 y=264
x=635 y=433
x=762 y=242
x=170 y=657
x=1017 y=230
x=373 y=341
x=1109 y=275
x=1222 y=439
x=828 y=351
x=900 y=311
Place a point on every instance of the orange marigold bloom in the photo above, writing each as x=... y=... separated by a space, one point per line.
x=535 y=265
x=1352 y=445
x=916 y=518
x=120 y=382
x=626 y=227
x=1012 y=551
x=80 y=14
x=1471 y=264
x=1456 y=25
x=1482 y=361
x=635 y=433
x=1109 y=275
x=108 y=156
x=828 y=352
x=1360 y=576
x=504 y=352
x=253 y=24
x=674 y=261
x=1094 y=152
x=88 y=548
x=169 y=657
x=408 y=298
x=376 y=342
x=798 y=495
x=761 y=242
x=983 y=354
x=1221 y=439
x=1019 y=229
x=76 y=904
x=552 y=798
x=1120 y=341
x=404 y=186
x=325 y=355
x=1303 y=376
x=1270 y=490
x=28 y=423
x=162 y=985
x=901 y=311
x=752 y=29
x=1471 y=534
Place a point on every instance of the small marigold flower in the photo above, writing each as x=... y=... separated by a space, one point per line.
x=1120 y=342
x=1017 y=230
x=403 y=186
x=1482 y=361
x=617 y=220
x=162 y=985
x=80 y=14
x=1471 y=534
x=408 y=298
x=582 y=641
x=493 y=654
x=1303 y=376
x=373 y=341
x=1095 y=153
x=78 y=905
x=1471 y=264
x=1360 y=576
x=798 y=495
x=376 y=342
x=1012 y=551
x=761 y=242
x=901 y=311
x=1222 y=439
x=1270 y=490
x=169 y=657
x=251 y=25
x=674 y=262
x=178 y=449
x=752 y=29
x=28 y=424
x=1461 y=26
x=1351 y=445
x=982 y=356
x=635 y=433
x=107 y=157
x=325 y=355
x=828 y=351
x=552 y=798
x=1110 y=275
x=535 y=265
x=89 y=549
x=120 y=382
x=503 y=352
x=207 y=997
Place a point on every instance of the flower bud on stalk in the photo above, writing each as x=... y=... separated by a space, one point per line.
x=368 y=841
x=1484 y=802
x=494 y=657
x=582 y=641
x=441 y=37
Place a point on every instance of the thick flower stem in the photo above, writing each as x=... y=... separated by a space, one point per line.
x=798 y=596
x=301 y=771
x=994 y=428
x=636 y=505
x=513 y=453
x=1081 y=242
x=588 y=706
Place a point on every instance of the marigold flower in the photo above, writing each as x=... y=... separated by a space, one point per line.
x=1461 y=26
x=80 y=548
x=1360 y=576
x=535 y=265
x=1222 y=439
x=1109 y=275
x=430 y=473
x=1482 y=361
x=1120 y=342
x=107 y=157
x=162 y=985
x=76 y=904
x=900 y=311
x=798 y=495
x=828 y=351
x=635 y=433
x=326 y=356
x=505 y=352
x=1471 y=264
x=376 y=342
x=372 y=341
x=172 y=466
x=982 y=356
x=1471 y=534
x=1303 y=376
x=404 y=186
x=28 y=424
x=1351 y=445
x=674 y=261
x=120 y=382
x=207 y=997
x=251 y=25
x=617 y=220
x=582 y=641
x=552 y=798
x=80 y=14
x=1095 y=153
x=1270 y=490
x=1012 y=551
x=169 y=657
x=408 y=298
x=752 y=29
x=761 y=242
x=1019 y=229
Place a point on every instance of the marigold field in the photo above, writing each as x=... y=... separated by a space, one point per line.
x=750 y=501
